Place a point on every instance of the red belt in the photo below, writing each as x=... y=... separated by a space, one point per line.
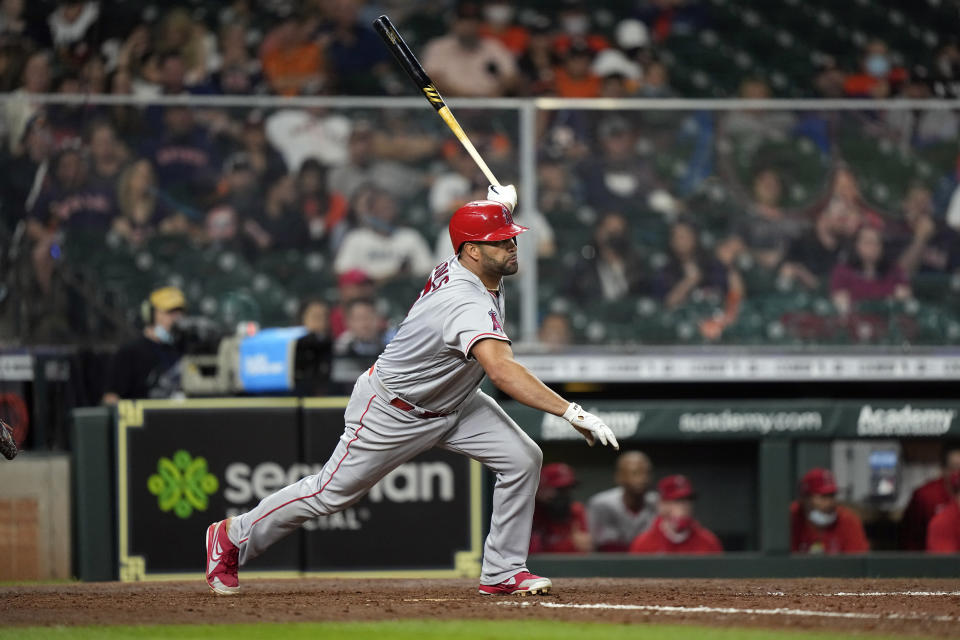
x=406 y=406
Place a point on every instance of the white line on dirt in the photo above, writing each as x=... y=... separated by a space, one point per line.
x=735 y=611
x=869 y=594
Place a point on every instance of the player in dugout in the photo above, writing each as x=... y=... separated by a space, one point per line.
x=618 y=515
x=927 y=501
x=423 y=392
x=818 y=525
x=675 y=530
x=943 y=534
x=559 y=522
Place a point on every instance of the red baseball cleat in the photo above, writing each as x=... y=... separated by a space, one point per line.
x=522 y=584
x=222 y=560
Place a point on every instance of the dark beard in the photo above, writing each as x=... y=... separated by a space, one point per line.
x=500 y=268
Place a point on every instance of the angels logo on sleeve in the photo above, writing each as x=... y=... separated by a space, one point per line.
x=496 y=321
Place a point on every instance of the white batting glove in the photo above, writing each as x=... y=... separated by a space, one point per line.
x=505 y=194
x=590 y=426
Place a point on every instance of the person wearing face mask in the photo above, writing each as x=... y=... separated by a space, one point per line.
x=610 y=269
x=379 y=246
x=878 y=78
x=499 y=23
x=464 y=63
x=559 y=522
x=675 y=530
x=148 y=367
x=576 y=25
x=818 y=525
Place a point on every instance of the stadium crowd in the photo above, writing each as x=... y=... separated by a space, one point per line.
x=648 y=206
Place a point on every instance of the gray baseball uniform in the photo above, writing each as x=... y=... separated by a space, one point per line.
x=612 y=525
x=421 y=393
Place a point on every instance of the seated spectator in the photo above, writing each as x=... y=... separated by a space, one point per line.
x=555 y=333
x=559 y=522
x=656 y=81
x=926 y=502
x=364 y=338
x=293 y=62
x=222 y=229
x=499 y=24
x=148 y=367
x=265 y=160
x=314 y=356
x=71 y=201
x=107 y=154
x=184 y=158
x=141 y=213
x=19 y=109
x=767 y=229
x=281 y=225
x=675 y=530
x=177 y=31
x=818 y=525
x=619 y=179
x=324 y=210
x=352 y=285
x=358 y=61
x=869 y=274
x=877 y=78
x=74 y=31
x=365 y=167
x=618 y=515
x=811 y=257
x=576 y=23
x=538 y=63
x=753 y=127
x=574 y=77
x=22 y=170
x=465 y=64
x=928 y=245
x=239 y=188
x=943 y=536
x=690 y=269
x=612 y=270
x=379 y=246
x=237 y=73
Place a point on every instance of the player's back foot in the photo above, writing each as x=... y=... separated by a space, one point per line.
x=523 y=583
x=222 y=560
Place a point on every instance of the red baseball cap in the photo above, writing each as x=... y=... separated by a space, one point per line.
x=353 y=276
x=819 y=482
x=675 y=487
x=557 y=475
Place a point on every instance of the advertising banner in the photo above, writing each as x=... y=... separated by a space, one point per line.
x=686 y=420
x=184 y=464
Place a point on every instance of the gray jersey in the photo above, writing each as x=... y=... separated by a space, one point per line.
x=427 y=363
x=611 y=523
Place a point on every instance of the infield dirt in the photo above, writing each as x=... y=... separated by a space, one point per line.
x=894 y=607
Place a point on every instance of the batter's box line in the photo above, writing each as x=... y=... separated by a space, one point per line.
x=668 y=609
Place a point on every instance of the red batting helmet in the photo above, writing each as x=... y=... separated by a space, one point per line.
x=482 y=220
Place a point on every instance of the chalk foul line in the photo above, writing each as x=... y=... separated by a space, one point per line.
x=780 y=611
x=866 y=594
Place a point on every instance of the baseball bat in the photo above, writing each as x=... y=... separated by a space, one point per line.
x=412 y=66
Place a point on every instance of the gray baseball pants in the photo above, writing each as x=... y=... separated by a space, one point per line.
x=379 y=437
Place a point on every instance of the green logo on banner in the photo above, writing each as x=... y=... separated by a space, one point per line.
x=182 y=484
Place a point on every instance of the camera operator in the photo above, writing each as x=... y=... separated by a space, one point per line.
x=149 y=366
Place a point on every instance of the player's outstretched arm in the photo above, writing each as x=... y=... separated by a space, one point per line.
x=514 y=379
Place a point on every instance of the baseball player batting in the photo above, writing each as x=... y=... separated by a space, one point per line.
x=423 y=392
